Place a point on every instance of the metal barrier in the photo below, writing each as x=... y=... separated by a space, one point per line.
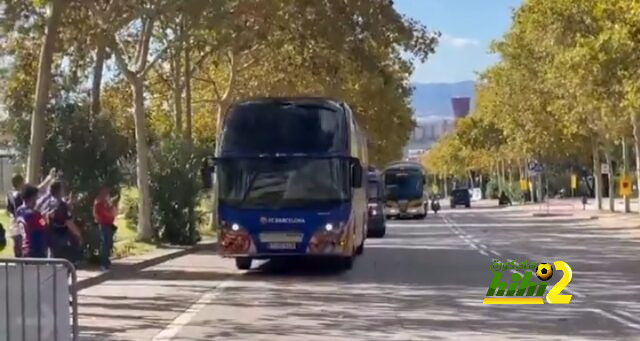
x=40 y=300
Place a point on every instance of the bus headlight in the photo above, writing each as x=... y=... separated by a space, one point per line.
x=327 y=238
x=374 y=209
x=234 y=239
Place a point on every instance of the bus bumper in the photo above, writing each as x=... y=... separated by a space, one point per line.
x=408 y=213
x=322 y=243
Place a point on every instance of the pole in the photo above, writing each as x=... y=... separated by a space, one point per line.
x=625 y=171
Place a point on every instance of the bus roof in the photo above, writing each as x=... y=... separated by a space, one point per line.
x=326 y=101
x=404 y=165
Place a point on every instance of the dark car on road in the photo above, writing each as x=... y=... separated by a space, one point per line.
x=460 y=197
x=376 y=226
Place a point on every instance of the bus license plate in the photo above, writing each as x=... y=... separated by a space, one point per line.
x=281 y=237
x=282 y=246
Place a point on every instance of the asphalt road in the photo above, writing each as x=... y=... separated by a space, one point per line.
x=425 y=280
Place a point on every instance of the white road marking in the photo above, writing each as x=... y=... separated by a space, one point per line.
x=183 y=319
x=628 y=323
x=483 y=253
x=574 y=293
x=619 y=319
x=628 y=315
x=483 y=246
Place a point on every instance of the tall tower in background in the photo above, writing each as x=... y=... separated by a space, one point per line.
x=461 y=106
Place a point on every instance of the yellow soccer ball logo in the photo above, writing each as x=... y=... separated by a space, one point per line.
x=544 y=271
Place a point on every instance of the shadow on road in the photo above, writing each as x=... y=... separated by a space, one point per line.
x=421 y=282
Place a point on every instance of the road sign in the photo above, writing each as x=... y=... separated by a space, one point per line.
x=604 y=168
x=524 y=185
x=625 y=186
x=574 y=181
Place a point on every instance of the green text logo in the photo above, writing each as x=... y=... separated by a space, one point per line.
x=521 y=289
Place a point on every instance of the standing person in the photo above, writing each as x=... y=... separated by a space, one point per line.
x=32 y=225
x=104 y=213
x=62 y=229
x=3 y=238
x=45 y=196
x=14 y=201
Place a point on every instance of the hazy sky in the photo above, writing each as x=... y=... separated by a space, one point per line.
x=467 y=27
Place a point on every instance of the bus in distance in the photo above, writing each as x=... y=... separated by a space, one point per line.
x=289 y=181
x=404 y=184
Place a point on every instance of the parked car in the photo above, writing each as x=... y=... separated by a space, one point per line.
x=460 y=197
x=376 y=226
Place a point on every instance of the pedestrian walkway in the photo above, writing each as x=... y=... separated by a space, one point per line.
x=93 y=275
x=573 y=207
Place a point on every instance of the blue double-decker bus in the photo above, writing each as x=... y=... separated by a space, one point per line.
x=289 y=181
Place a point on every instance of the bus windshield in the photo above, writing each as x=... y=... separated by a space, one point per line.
x=401 y=185
x=285 y=127
x=283 y=182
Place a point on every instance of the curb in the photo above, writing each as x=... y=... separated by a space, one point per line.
x=578 y=216
x=128 y=268
x=538 y=214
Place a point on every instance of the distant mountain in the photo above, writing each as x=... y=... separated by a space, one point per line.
x=434 y=99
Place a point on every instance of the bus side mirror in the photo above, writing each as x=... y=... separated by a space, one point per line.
x=356 y=173
x=206 y=171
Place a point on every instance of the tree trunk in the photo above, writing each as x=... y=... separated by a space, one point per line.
x=611 y=180
x=625 y=172
x=446 y=186
x=635 y=120
x=96 y=83
x=188 y=132
x=597 y=172
x=43 y=86
x=145 y=231
x=177 y=106
x=502 y=176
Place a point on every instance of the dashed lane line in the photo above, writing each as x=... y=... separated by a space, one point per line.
x=628 y=319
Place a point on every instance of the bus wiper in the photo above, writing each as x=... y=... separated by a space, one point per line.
x=249 y=188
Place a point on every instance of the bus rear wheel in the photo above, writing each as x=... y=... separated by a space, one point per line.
x=243 y=263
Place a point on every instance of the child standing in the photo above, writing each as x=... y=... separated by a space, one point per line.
x=32 y=225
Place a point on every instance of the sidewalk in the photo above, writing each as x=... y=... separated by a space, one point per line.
x=92 y=275
x=573 y=209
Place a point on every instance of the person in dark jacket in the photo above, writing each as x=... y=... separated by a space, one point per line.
x=64 y=234
x=3 y=238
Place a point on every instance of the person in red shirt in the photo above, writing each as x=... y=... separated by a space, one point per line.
x=105 y=212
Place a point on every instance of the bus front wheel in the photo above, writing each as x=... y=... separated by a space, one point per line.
x=243 y=263
x=360 y=248
x=347 y=262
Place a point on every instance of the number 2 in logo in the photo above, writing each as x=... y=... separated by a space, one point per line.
x=554 y=297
